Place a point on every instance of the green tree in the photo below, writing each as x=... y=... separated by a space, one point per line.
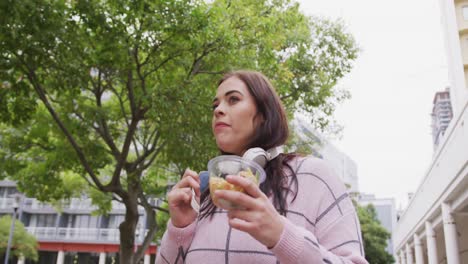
x=23 y=244
x=303 y=141
x=374 y=235
x=112 y=98
x=162 y=219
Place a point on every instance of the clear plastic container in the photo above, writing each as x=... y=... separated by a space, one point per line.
x=224 y=165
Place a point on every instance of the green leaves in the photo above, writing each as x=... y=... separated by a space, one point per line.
x=116 y=94
x=375 y=236
x=23 y=244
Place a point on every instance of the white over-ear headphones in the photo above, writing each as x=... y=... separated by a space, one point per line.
x=261 y=156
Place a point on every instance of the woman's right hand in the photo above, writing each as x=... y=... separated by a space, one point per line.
x=179 y=198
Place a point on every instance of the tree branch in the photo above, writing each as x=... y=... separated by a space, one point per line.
x=284 y=97
x=40 y=145
x=81 y=156
x=104 y=132
x=154 y=49
x=211 y=72
x=151 y=222
x=80 y=117
x=196 y=65
x=136 y=115
x=124 y=153
x=117 y=199
x=153 y=157
x=139 y=73
x=121 y=103
x=131 y=95
x=147 y=151
x=161 y=64
x=134 y=143
x=160 y=208
x=153 y=134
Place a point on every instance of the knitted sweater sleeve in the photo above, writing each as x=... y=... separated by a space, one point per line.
x=336 y=235
x=175 y=243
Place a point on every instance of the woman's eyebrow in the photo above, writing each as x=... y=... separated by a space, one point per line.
x=228 y=93
x=231 y=92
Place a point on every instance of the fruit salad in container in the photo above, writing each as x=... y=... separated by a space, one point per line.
x=222 y=166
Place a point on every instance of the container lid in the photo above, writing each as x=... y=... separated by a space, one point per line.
x=232 y=164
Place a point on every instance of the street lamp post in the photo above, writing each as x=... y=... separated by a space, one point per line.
x=16 y=203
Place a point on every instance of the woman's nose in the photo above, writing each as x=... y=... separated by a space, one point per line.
x=219 y=110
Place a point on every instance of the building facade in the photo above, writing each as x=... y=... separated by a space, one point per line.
x=320 y=147
x=434 y=227
x=441 y=115
x=386 y=214
x=73 y=234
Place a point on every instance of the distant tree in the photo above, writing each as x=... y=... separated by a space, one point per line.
x=374 y=235
x=23 y=244
x=162 y=219
x=303 y=141
x=112 y=98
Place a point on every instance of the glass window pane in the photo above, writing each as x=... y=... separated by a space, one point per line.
x=115 y=220
x=45 y=220
x=84 y=220
x=93 y=222
x=465 y=12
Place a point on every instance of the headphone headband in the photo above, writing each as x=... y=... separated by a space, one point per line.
x=261 y=156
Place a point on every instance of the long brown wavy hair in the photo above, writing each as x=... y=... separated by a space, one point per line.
x=272 y=132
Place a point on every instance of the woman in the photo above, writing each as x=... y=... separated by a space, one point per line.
x=300 y=214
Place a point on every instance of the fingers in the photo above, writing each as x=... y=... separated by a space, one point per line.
x=189 y=179
x=180 y=195
x=248 y=216
x=249 y=199
x=247 y=221
x=188 y=172
x=241 y=225
x=250 y=187
x=240 y=199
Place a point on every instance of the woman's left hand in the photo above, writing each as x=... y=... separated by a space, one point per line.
x=258 y=217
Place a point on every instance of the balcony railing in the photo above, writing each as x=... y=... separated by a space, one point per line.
x=100 y=235
x=6 y=203
x=80 y=204
x=32 y=203
x=74 y=204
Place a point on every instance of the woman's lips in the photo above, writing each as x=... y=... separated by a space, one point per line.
x=220 y=125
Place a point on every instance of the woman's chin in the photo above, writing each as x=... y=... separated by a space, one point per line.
x=228 y=148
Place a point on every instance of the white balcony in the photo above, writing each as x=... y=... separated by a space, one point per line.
x=34 y=204
x=6 y=203
x=80 y=204
x=75 y=204
x=118 y=205
x=100 y=235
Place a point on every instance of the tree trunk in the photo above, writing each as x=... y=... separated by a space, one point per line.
x=127 y=228
x=152 y=228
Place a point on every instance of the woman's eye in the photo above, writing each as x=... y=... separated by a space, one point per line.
x=214 y=107
x=233 y=99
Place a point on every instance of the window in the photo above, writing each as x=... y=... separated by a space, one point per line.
x=5 y=192
x=45 y=220
x=465 y=12
x=85 y=221
x=115 y=220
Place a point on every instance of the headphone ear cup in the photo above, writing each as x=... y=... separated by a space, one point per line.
x=256 y=154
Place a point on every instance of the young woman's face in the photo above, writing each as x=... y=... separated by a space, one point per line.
x=234 y=112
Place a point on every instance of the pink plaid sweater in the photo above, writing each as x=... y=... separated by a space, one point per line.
x=321 y=227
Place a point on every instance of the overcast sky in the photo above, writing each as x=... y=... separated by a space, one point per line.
x=401 y=65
